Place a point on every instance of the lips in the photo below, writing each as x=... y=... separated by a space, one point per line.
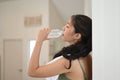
x=63 y=34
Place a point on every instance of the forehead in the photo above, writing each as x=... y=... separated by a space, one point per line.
x=70 y=22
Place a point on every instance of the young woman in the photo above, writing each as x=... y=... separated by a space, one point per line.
x=75 y=62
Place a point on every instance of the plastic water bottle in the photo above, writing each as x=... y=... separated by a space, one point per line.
x=55 y=33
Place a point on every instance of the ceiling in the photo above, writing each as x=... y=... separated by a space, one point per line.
x=66 y=8
x=5 y=0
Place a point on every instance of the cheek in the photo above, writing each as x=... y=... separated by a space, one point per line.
x=68 y=32
x=68 y=35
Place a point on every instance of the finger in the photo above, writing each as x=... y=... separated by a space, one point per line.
x=47 y=30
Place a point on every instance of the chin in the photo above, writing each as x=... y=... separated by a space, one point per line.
x=63 y=39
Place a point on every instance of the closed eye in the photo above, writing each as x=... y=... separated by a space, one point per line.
x=67 y=26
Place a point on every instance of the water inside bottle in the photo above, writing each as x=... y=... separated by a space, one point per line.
x=55 y=33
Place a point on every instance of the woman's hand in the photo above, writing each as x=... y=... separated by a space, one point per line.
x=43 y=34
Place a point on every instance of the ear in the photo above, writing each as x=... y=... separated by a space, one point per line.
x=77 y=36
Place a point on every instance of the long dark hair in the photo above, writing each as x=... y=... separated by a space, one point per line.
x=82 y=25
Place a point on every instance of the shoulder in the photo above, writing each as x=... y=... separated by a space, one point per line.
x=53 y=60
x=60 y=60
x=89 y=58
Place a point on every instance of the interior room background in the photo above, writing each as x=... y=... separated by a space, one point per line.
x=20 y=21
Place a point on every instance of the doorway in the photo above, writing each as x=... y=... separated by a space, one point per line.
x=12 y=59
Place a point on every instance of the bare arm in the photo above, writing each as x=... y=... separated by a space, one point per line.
x=34 y=61
x=35 y=70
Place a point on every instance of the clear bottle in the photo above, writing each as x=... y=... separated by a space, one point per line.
x=55 y=33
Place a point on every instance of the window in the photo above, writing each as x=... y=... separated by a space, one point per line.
x=32 y=44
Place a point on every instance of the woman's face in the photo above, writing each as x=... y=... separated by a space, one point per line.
x=69 y=33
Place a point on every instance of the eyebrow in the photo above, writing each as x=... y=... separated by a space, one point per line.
x=69 y=23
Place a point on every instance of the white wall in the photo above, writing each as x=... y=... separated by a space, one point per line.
x=55 y=22
x=0 y=67
x=55 y=18
x=106 y=39
x=12 y=15
x=88 y=8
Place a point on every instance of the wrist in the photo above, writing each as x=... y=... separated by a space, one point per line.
x=39 y=41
